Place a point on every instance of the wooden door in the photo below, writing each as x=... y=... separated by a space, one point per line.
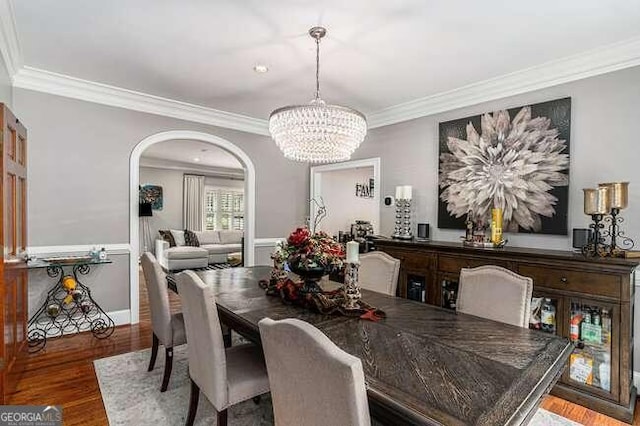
x=13 y=234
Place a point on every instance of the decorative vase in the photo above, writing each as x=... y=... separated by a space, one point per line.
x=310 y=277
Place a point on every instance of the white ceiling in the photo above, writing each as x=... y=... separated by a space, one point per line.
x=186 y=151
x=378 y=53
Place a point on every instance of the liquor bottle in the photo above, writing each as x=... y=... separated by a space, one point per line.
x=548 y=316
x=576 y=319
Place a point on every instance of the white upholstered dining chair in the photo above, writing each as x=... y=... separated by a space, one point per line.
x=379 y=272
x=168 y=328
x=225 y=376
x=495 y=293
x=313 y=382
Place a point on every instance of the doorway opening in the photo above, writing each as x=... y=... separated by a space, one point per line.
x=214 y=218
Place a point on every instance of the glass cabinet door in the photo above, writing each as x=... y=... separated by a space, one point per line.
x=593 y=362
x=546 y=313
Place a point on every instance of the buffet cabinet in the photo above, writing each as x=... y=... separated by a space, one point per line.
x=592 y=300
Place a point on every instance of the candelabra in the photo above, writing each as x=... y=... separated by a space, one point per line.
x=596 y=245
x=619 y=241
x=603 y=205
x=351 y=286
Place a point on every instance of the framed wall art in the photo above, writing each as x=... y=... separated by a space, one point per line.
x=516 y=159
x=152 y=194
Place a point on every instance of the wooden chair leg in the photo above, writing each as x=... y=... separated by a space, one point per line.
x=154 y=352
x=222 y=418
x=168 y=365
x=193 y=403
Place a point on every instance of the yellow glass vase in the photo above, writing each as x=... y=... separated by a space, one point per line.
x=496 y=226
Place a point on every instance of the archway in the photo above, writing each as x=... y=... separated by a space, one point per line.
x=134 y=167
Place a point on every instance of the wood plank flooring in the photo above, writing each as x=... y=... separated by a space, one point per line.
x=63 y=374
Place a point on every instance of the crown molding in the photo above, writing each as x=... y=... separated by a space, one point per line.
x=613 y=57
x=9 y=44
x=71 y=87
x=210 y=171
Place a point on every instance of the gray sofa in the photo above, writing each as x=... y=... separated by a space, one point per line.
x=215 y=247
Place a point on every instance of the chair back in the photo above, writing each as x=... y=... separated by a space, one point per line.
x=207 y=359
x=379 y=272
x=312 y=381
x=158 y=293
x=495 y=293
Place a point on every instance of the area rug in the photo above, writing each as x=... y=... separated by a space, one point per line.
x=132 y=396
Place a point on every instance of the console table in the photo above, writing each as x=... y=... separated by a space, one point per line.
x=430 y=270
x=69 y=306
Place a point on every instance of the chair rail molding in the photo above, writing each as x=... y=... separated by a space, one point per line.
x=134 y=180
x=268 y=242
x=122 y=248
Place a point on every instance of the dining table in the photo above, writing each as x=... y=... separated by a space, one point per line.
x=423 y=365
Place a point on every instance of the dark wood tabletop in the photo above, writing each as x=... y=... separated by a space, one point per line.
x=422 y=364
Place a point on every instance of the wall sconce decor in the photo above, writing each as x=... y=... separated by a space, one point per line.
x=403 y=213
x=603 y=204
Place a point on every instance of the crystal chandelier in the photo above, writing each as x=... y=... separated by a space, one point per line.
x=317 y=132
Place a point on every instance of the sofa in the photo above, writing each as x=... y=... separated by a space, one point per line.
x=213 y=247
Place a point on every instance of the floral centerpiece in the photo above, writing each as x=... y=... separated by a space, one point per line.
x=310 y=255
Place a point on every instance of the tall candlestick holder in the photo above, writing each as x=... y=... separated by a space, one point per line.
x=619 y=241
x=352 y=293
x=402 y=229
x=603 y=204
x=596 y=245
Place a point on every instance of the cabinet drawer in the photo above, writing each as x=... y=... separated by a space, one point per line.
x=411 y=260
x=583 y=282
x=454 y=264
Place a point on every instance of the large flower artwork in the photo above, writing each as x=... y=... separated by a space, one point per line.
x=519 y=162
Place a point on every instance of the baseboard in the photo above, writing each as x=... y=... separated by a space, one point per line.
x=120 y=317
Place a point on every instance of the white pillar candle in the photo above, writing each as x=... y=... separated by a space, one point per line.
x=353 y=248
x=399 y=191
x=408 y=192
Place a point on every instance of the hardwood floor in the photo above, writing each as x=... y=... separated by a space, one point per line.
x=63 y=374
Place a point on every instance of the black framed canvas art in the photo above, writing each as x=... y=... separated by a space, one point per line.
x=152 y=194
x=516 y=159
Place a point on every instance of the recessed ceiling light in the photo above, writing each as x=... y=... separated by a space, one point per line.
x=196 y=159
x=261 y=68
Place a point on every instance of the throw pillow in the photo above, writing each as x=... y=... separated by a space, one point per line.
x=178 y=237
x=165 y=234
x=191 y=239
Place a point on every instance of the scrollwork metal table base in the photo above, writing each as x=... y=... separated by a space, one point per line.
x=79 y=314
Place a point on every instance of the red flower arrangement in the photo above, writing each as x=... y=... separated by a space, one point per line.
x=304 y=250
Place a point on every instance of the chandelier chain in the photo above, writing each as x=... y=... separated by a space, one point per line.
x=317 y=67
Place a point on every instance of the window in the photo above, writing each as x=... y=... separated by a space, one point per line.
x=224 y=209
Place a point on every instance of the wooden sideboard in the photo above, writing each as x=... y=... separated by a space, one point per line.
x=578 y=287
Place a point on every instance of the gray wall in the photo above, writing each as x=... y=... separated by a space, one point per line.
x=604 y=148
x=79 y=157
x=6 y=90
